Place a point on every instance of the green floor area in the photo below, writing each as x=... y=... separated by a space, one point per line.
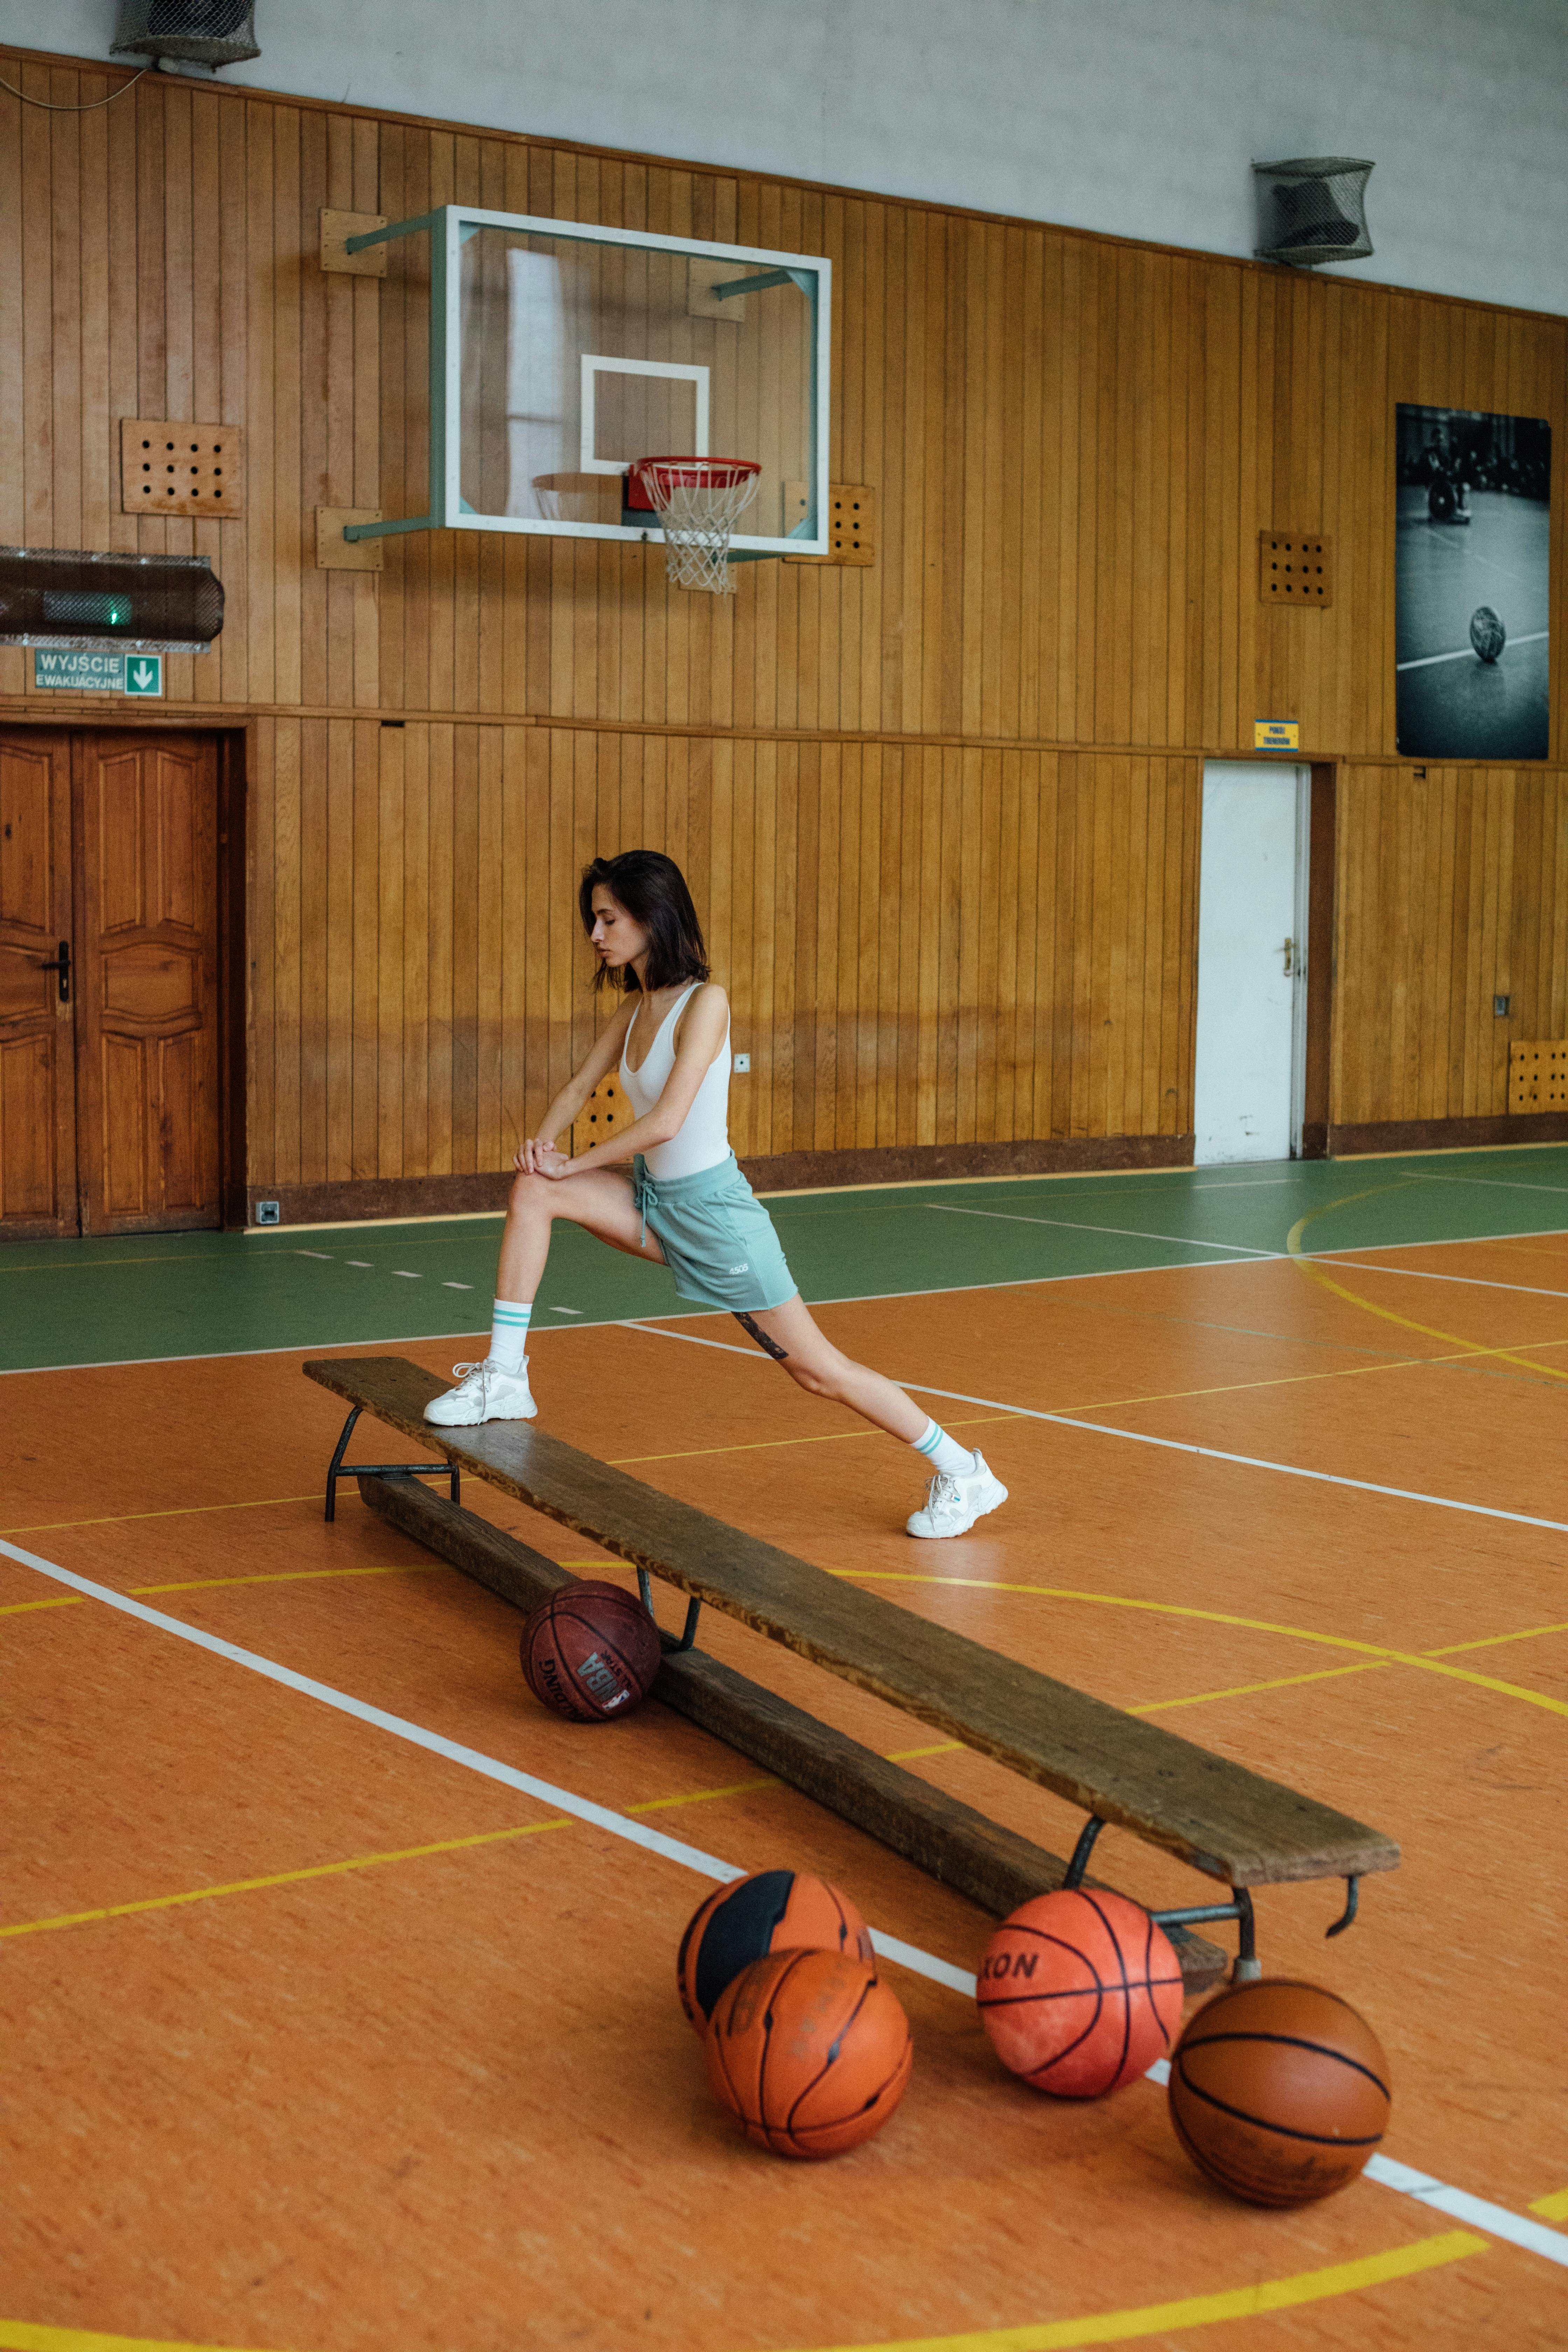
x=93 y=1302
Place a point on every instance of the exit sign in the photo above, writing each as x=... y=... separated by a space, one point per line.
x=109 y=672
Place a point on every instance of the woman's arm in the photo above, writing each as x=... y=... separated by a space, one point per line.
x=603 y=1057
x=700 y=1037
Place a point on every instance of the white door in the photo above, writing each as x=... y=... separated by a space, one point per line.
x=1252 y=999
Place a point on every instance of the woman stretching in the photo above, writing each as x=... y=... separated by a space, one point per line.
x=683 y=1201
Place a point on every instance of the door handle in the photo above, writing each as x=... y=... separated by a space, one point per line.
x=1290 y=957
x=62 y=964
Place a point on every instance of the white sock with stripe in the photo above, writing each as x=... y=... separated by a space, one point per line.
x=509 y=1334
x=943 y=1451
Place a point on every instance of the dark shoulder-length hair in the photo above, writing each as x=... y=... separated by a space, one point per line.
x=652 y=888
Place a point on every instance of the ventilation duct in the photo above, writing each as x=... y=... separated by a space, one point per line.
x=190 y=32
x=1314 y=209
x=81 y=602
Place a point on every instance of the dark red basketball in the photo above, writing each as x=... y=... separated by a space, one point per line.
x=770 y=1911
x=591 y=1651
x=1080 y=1991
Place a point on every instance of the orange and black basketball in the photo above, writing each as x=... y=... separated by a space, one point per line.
x=1279 y=2091
x=811 y=2051
x=590 y=1650
x=1080 y=1991
x=770 y=1911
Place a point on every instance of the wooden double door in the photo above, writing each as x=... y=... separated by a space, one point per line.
x=110 y=1112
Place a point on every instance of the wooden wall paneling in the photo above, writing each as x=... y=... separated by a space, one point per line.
x=466 y=944
x=946 y=482
x=65 y=323
x=226 y=671
x=365 y=850
x=277 y=1042
x=491 y=941
x=251 y=1075
x=14 y=667
x=326 y=409
x=443 y=879
x=36 y=314
x=383 y=752
x=1025 y=478
x=413 y=1015
x=331 y=1120
x=1117 y=557
x=293 y=599
x=516 y=914
x=257 y=127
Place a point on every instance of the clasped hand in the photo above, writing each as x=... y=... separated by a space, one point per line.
x=540 y=1157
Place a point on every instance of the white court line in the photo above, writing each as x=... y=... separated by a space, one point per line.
x=1129 y=1232
x=1460 y=2206
x=545 y=1792
x=1496 y=2220
x=1170 y=1444
x=1470 y=1281
x=1467 y=653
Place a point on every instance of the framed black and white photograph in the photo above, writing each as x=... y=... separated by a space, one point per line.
x=1471 y=585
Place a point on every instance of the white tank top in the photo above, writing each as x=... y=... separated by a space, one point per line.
x=702 y=1140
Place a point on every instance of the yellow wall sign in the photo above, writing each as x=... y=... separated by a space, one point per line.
x=1276 y=734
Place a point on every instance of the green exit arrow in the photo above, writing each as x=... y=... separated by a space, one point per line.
x=144 y=674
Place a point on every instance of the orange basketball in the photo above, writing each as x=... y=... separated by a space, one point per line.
x=1279 y=2091
x=1080 y=1991
x=811 y=2051
x=770 y=1911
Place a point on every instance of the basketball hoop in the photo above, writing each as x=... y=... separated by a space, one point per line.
x=699 y=500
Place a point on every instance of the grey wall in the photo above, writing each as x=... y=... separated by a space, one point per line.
x=1137 y=117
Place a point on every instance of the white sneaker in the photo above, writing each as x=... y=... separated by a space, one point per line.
x=954 y=1503
x=484 y=1392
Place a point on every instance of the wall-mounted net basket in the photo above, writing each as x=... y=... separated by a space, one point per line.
x=1314 y=209
x=192 y=32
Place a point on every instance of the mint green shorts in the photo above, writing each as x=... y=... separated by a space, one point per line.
x=718 y=1239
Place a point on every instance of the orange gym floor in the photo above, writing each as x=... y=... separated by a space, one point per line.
x=318 y=2041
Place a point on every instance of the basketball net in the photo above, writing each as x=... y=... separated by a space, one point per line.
x=699 y=500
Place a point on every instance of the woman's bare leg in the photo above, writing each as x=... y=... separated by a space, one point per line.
x=965 y=1487
x=600 y=1200
x=812 y=1360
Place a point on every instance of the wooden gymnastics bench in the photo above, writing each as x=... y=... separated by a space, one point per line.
x=1228 y=1822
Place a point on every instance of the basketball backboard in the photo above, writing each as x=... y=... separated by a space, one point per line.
x=561 y=351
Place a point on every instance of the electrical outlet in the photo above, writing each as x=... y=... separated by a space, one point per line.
x=268 y=1213
x=1499 y=1008
x=743 y=1065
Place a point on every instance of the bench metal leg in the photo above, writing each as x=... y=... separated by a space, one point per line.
x=1249 y=1966
x=1082 y=1850
x=338 y=1469
x=1347 y=1917
x=688 y=1630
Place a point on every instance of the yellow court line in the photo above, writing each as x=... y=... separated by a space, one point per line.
x=1553 y=2208
x=1161 y=2318
x=1313 y=1269
x=767 y=1444
x=1431 y=1661
x=213 y=1584
x=185 y=1511
x=1249 y=1690
x=280 y=1878
x=1251 y=2302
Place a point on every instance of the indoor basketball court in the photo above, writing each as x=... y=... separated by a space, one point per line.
x=578 y=1852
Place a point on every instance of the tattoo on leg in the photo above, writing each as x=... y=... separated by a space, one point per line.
x=768 y=1347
